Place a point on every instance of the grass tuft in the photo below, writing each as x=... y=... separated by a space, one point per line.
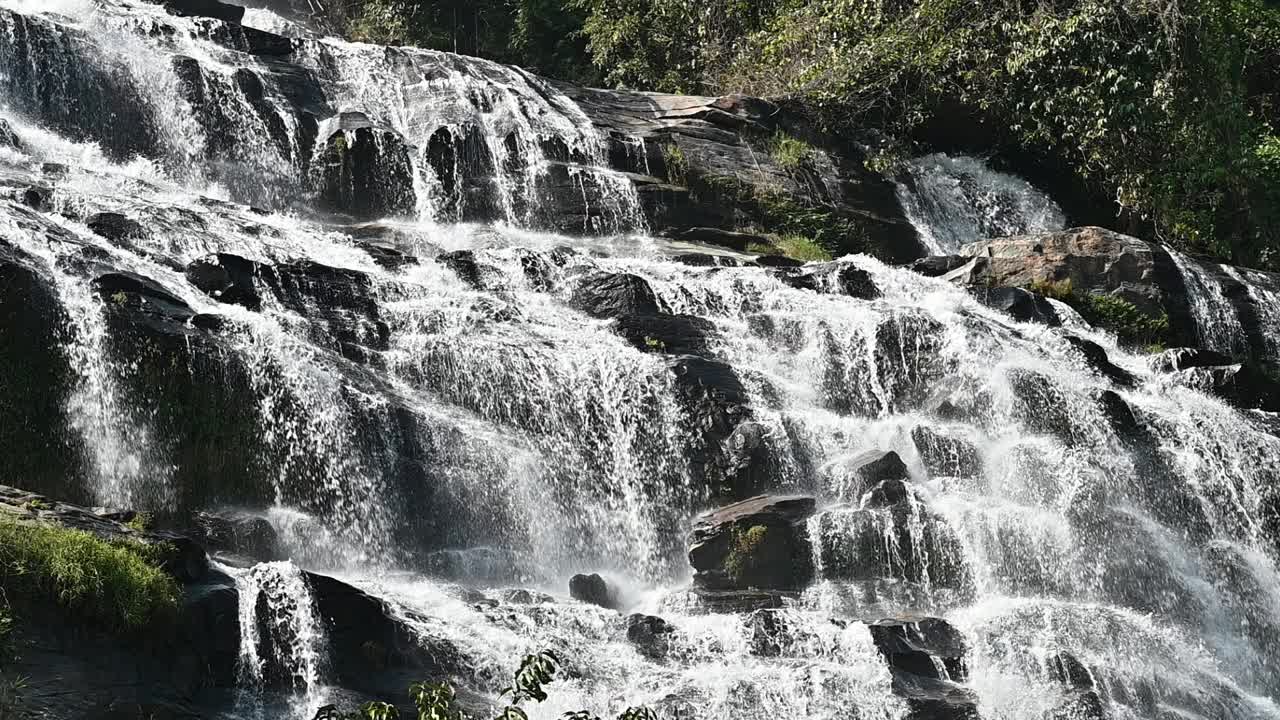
x=118 y=585
x=790 y=153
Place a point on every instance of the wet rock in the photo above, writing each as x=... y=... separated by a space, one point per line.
x=742 y=602
x=769 y=632
x=715 y=404
x=9 y=138
x=116 y=227
x=1066 y=669
x=38 y=198
x=1021 y=305
x=650 y=635
x=368 y=170
x=663 y=333
x=938 y=265
x=1177 y=359
x=704 y=260
x=205 y=8
x=239 y=532
x=739 y=241
x=891 y=535
x=363 y=633
x=778 y=261
x=521 y=596
x=946 y=455
x=463 y=262
x=593 y=589
x=757 y=543
x=1041 y=404
x=869 y=468
x=912 y=644
x=835 y=278
x=141 y=295
x=1083 y=701
x=1244 y=386
x=386 y=255
x=927 y=659
x=227 y=278
x=1096 y=356
x=614 y=295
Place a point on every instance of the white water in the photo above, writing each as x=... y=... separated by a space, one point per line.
x=551 y=442
x=957 y=200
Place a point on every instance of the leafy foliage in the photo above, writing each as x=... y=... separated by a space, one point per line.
x=1131 y=325
x=118 y=585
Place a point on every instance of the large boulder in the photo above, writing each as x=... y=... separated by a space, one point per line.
x=1245 y=386
x=205 y=8
x=757 y=543
x=650 y=635
x=1021 y=305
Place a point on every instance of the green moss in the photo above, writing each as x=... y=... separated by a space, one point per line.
x=118 y=585
x=798 y=247
x=676 y=163
x=776 y=212
x=743 y=554
x=36 y=504
x=790 y=153
x=141 y=522
x=1132 y=326
x=655 y=344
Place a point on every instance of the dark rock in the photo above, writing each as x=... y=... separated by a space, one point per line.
x=893 y=535
x=835 y=278
x=724 y=238
x=9 y=138
x=206 y=8
x=663 y=333
x=227 y=278
x=1083 y=701
x=1096 y=356
x=769 y=632
x=115 y=227
x=946 y=455
x=703 y=260
x=362 y=634
x=715 y=404
x=368 y=170
x=872 y=467
x=757 y=543
x=938 y=265
x=927 y=659
x=1021 y=305
x=614 y=295
x=1041 y=404
x=126 y=290
x=742 y=602
x=649 y=635
x=778 y=261
x=386 y=255
x=593 y=589
x=463 y=262
x=239 y=532
x=38 y=198
x=1244 y=386
x=1177 y=359
x=1066 y=669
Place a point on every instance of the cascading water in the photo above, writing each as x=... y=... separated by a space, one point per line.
x=957 y=200
x=428 y=397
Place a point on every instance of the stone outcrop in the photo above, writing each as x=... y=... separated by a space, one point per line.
x=927 y=659
x=758 y=543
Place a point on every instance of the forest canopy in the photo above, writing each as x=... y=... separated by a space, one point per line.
x=1168 y=108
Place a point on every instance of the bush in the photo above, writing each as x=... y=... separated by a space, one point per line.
x=117 y=585
x=1131 y=326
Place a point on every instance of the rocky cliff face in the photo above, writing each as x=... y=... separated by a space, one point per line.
x=456 y=334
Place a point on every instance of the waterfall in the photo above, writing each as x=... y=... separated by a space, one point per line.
x=281 y=638
x=957 y=200
x=489 y=380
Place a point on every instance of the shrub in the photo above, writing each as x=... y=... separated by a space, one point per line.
x=676 y=163
x=1132 y=326
x=118 y=585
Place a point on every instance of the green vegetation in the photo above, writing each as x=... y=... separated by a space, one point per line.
x=1131 y=325
x=740 y=562
x=36 y=504
x=677 y=165
x=798 y=247
x=789 y=152
x=777 y=212
x=141 y=522
x=438 y=701
x=116 y=585
x=1169 y=108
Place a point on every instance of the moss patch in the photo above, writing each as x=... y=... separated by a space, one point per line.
x=116 y=585
x=1132 y=326
x=775 y=212
x=743 y=557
